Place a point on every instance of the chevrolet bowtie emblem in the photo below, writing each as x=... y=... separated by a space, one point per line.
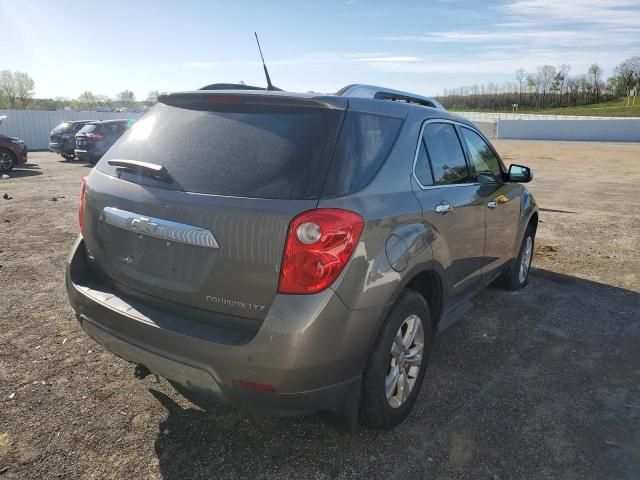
x=144 y=224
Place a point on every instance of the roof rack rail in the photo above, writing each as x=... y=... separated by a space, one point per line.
x=382 y=93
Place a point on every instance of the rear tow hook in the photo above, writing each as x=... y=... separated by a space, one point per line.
x=141 y=372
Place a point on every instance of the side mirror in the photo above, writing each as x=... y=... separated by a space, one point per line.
x=520 y=174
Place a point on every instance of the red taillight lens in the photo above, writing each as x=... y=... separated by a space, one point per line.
x=83 y=187
x=94 y=137
x=260 y=387
x=319 y=245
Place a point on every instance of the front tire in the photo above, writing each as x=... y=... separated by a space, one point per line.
x=395 y=371
x=517 y=277
x=7 y=160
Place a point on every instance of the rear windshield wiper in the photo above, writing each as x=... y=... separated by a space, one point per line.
x=143 y=168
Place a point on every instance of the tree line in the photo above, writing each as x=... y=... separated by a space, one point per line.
x=17 y=92
x=548 y=87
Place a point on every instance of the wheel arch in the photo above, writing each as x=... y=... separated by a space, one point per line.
x=533 y=221
x=11 y=153
x=429 y=284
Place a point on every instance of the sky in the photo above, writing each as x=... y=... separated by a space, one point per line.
x=421 y=46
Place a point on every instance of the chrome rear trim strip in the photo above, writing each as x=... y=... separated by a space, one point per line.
x=159 y=228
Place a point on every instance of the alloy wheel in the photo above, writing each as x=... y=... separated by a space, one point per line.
x=405 y=361
x=525 y=262
x=5 y=161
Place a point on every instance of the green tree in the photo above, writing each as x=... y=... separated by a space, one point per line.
x=8 y=87
x=87 y=100
x=152 y=96
x=126 y=98
x=25 y=87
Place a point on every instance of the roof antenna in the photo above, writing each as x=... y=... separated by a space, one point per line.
x=266 y=72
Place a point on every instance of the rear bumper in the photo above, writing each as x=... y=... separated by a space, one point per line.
x=60 y=147
x=311 y=349
x=87 y=155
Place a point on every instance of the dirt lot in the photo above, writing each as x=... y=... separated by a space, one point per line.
x=542 y=383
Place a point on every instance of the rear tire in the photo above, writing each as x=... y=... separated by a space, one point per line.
x=517 y=277
x=7 y=160
x=386 y=402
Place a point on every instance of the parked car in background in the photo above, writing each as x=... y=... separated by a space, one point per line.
x=13 y=151
x=95 y=138
x=62 y=139
x=295 y=252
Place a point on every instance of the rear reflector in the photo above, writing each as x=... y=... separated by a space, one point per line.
x=319 y=245
x=260 y=387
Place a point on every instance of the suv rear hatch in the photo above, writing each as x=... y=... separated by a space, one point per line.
x=62 y=132
x=210 y=232
x=88 y=135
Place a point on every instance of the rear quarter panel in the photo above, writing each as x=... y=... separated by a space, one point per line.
x=391 y=211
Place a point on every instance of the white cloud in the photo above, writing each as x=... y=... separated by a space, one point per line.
x=501 y=63
x=594 y=12
x=388 y=59
x=506 y=37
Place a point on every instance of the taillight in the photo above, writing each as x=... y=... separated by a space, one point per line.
x=319 y=245
x=83 y=187
x=94 y=137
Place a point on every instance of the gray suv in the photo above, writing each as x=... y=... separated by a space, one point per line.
x=295 y=253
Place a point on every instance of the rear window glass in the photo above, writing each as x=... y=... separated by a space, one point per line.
x=63 y=127
x=262 y=152
x=90 y=128
x=364 y=143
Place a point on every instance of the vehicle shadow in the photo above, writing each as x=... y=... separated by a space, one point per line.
x=541 y=381
x=24 y=170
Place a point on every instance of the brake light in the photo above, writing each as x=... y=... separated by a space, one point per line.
x=319 y=244
x=83 y=187
x=94 y=137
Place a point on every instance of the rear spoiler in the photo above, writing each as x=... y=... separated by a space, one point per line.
x=232 y=100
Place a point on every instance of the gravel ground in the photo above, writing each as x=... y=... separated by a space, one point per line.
x=541 y=383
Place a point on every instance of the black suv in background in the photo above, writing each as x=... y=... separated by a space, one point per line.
x=95 y=138
x=62 y=139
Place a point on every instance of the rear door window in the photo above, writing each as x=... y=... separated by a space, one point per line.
x=445 y=153
x=484 y=162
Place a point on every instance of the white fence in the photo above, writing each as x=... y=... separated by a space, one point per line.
x=34 y=126
x=624 y=130
x=494 y=117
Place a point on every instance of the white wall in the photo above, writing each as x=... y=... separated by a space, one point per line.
x=34 y=126
x=494 y=117
x=621 y=130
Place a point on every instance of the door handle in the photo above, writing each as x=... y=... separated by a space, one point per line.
x=443 y=208
x=492 y=204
